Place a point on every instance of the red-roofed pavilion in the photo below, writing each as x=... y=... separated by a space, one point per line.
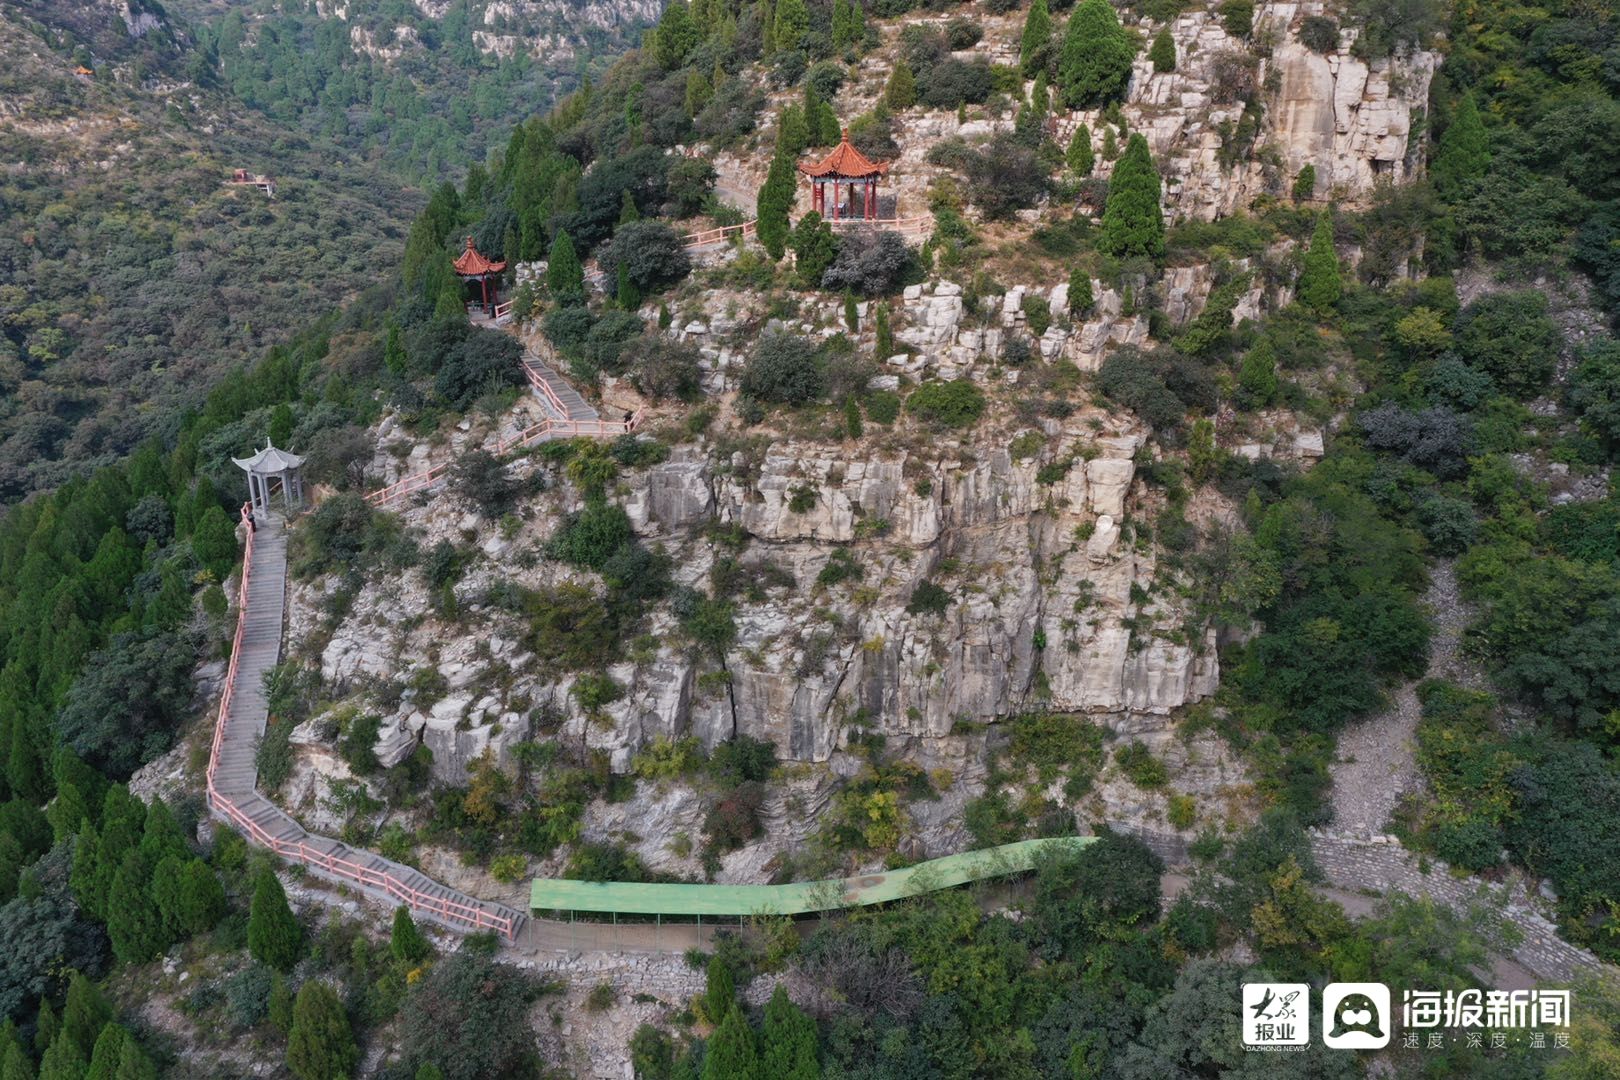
x=846 y=168
x=471 y=266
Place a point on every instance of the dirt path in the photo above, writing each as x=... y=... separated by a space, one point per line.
x=1376 y=763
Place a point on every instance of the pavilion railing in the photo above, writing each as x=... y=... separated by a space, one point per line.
x=454 y=911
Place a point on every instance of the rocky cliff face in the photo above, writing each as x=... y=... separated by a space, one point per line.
x=554 y=31
x=1054 y=603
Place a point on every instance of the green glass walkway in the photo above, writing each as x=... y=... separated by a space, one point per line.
x=638 y=898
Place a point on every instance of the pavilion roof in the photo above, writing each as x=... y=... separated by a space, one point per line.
x=269 y=461
x=847 y=162
x=472 y=264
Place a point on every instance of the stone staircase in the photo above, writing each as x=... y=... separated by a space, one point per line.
x=562 y=400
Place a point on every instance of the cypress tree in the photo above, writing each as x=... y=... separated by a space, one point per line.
x=1319 y=286
x=1080 y=157
x=719 y=992
x=62 y=1061
x=1037 y=40
x=85 y=1013
x=565 y=275
x=1081 y=299
x=1163 y=52
x=1132 y=222
x=880 y=328
x=394 y=346
x=189 y=897
x=47 y=1025
x=161 y=836
x=901 y=90
x=279 y=1010
x=852 y=417
x=14 y=1064
x=25 y=766
x=1305 y=183
x=320 y=1045
x=730 y=1053
x=821 y=123
x=109 y=1048
x=1257 y=378
x=626 y=295
x=627 y=209
x=406 y=941
x=1110 y=148
x=133 y=922
x=133 y=1064
x=1096 y=60
x=852 y=313
x=789 y=1039
x=767 y=30
x=699 y=92
x=1464 y=151
x=792 y=23
x=274 y=936
x=814 y=248
x=774 y=201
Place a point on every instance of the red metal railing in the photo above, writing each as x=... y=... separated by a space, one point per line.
x=369 y=877
x=503 y=310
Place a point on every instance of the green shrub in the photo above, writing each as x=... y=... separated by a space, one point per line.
x=1038 y=311
x=592 y=536
x=928 y=599
x=1144 y=770
x=882 y=406
x=958 y=403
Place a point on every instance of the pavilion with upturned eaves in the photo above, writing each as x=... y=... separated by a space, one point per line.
x=854 y=179
x=470 y=266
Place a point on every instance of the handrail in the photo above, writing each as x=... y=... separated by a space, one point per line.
x=300 y=851
x=709 y=236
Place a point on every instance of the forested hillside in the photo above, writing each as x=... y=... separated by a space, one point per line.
x=999 y=502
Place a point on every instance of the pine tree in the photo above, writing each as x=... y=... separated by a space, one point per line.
x=901 y=90
x=274 y=936
x=25 y=765
x=1040 y=98
x=843 y=24
x=1464 y=152
x=406 y=942
x=774 y=202
x=852 y=313
x=730 y=1053
x=1163 y=52
x=62 y=1061
x=1081 y=299
x=792 y=23
x=1110 y=147
x=133 y=922
x=1096 y=60
x=789 y=1039
x=1132 y=221
x=320 y=1045
x=814 y=248
x=429 y=1071
x=565 y=275
x=677 y=36
x=108 y=1049
x=1081 y=158
x=85 y=1013
x=767 y=30
x=1319 y=287
x=1036 y=43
